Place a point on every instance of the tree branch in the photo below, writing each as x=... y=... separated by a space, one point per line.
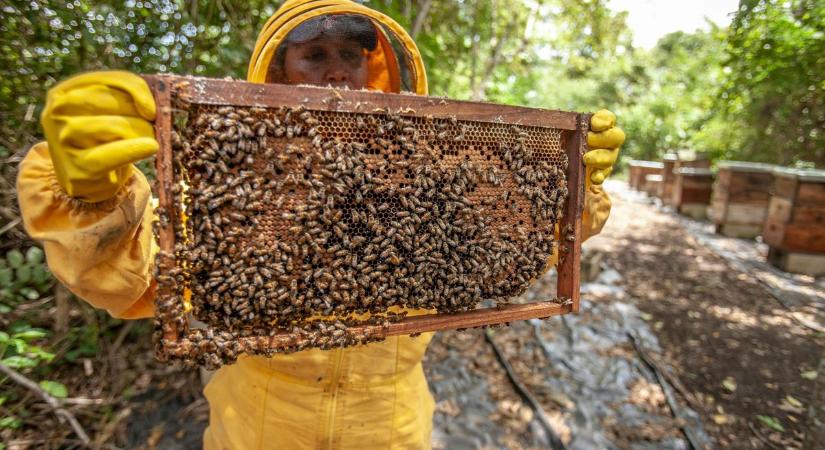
x=54 y=403
x=420 y=18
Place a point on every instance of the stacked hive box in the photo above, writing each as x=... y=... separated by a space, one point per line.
x=795 y=226
x=684 y=159
x=740 y=198
x=667 y=181
x=691 y=191
x=653 y=184
x=639 y=170
x=689 y=158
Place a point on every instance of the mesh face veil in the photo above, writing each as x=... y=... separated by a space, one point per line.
x=338 y=27
x=393 y=61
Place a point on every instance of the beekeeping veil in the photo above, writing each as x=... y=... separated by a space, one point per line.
x=393 y=61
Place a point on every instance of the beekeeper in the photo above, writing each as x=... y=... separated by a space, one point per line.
x=81 y=196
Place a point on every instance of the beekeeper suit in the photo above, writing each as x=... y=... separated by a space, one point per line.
x=83 y=199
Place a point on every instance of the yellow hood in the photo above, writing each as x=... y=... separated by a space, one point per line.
x=383 y=62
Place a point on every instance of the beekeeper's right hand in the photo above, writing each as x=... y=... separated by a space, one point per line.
x=97 y=124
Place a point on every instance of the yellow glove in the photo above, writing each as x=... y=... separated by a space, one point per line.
x=604 y=140
x=97 y=124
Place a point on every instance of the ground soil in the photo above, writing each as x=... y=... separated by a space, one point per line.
x=737 y=350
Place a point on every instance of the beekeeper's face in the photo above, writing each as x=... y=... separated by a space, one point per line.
x=326 y=60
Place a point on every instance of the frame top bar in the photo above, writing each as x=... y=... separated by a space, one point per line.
x=240 y=93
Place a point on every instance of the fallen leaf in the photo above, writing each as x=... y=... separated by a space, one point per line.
x=722 y=419
x=791 y=405
x=771 y=423
x=729 y=383
x=448 y=407
x=794 y=402
x=155 y=436
x=809 y=374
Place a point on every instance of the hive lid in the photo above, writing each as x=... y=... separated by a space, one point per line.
x=650 y=164
x=670 y=156
x=746 y=166
x=809 y=175
x=691 y=155
x=694 y=171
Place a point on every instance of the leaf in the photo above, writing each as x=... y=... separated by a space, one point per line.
x=40 y=353
x=23 y=274
x=41 y=276
x=30 y=293
x=729 y=383
x=771 y=423
x=791 y=405
x=794 y=402
x=4 y=337
x=55 y=388
x=809 y=374
x=34 y=333
x=6 y=276
x=722 y=419
x=34 y=255
x=14 y=258
x=10 y=422
x=18 y=362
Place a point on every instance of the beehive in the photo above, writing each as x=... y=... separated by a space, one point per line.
x=652 y=185
x=692 y=190
x=795 y=225
x=294 y=217
x=668 y=177
x=640 y=169
x=739 y=203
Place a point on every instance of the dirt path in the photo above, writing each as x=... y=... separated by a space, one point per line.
x=750 y=369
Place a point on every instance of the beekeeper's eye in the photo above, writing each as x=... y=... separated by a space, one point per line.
x=351 y=55
x=315 y=54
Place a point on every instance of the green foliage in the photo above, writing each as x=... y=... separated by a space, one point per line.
x=10 y=422
x=83 y=342
x=775 y=83
x=22 y=277
x=47 y=41
x=17 y=348
x=54 y=388
x=771 y=423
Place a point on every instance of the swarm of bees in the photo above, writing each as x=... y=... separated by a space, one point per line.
x=299 y=221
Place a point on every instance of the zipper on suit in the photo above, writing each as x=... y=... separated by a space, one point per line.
x=336 y=376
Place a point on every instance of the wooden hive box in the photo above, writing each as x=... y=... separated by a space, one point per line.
x=668 y=178
x=691 y=158
x=639 y=170
x=795 y=225
x=741 y=193
x=652 y=184
x=691 y=191
x=295 y=217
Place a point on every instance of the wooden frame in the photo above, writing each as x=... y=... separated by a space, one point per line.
x=175 y=342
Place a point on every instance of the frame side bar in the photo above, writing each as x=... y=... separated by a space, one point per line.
x=162 y=89
x=571 y=224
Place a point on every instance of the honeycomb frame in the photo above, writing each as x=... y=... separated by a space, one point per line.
x=178 y=339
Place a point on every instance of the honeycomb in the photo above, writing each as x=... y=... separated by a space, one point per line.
x=310 y=221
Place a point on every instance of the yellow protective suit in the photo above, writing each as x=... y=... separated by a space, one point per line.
x=368 y=397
